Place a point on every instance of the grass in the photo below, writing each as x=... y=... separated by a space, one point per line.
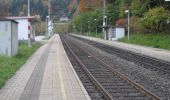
x=9 y=65
x=153 y=40
x=93 y=34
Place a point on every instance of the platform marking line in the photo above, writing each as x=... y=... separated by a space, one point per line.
x=64 y=96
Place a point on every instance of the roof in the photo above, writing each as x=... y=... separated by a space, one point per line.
x=20 y=17
x=64 y=18
x=5 y=19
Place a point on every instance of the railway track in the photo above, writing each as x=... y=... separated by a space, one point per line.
x=160 y=66
x=111 y=83
x=88 y=83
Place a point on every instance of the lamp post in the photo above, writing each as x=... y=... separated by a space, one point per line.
x=74 y=28
x=104 y=19
x=96 y=26
x=167 y=20
x=89 y=27
x=127 y=11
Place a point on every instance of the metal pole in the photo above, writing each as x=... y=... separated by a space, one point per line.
x=28 y=8
x=29 y=34
x=81 y=26
x=96 y=31
x=104 y=7
x=128 y=26
x=104 y=13
x=49 y=9
x=89 y=27
x=49 y=18
x=96 y=26
x=46 y=27
x=128 y=22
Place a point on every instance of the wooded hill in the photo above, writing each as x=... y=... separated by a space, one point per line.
x=38 y=7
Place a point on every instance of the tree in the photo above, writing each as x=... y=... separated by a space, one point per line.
x=138 y=7
x=4 y=8
x=155 y=20
x=86 y=19
x=124 y=5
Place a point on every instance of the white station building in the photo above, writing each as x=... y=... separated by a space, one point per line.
x=8 y=37
x=115 y=33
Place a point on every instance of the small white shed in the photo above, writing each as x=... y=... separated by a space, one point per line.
x=25 y=27
x=8 y=37
x=116 y=33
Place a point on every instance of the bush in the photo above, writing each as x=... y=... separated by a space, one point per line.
x=121 y=22
x=155 y=20
x=134 y=24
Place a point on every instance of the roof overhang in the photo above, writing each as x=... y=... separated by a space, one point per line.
x=5 y=19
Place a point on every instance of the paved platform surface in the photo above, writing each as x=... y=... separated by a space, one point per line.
x=47 y=75
x=149 y=51
x=39 y=38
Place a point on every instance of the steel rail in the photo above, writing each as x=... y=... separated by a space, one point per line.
x=117 y=51
x=98 y=85
x=133 y=83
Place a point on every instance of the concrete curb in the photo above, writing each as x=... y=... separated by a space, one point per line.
x=78 y=79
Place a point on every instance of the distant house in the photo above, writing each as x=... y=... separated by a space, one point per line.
x=64 y=19
x=8 y=37
x=25 y=26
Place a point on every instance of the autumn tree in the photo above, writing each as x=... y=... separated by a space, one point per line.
x=88 y=5
x=4 y=4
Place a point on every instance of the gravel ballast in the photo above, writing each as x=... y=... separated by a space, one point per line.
x=152 y=80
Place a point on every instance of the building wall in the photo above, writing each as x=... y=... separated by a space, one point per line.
x=22 y=29
x=14 y=38
x=5 y=38
x=116 y=33
x=120 y=32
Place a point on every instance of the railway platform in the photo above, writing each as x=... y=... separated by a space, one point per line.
x=47 y=75
x=148 y=51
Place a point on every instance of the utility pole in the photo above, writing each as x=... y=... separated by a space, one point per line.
x=128 y=25
x=49 y=19
x=29 y=31
x=49 y=9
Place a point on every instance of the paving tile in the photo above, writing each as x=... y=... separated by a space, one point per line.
x=63 y=76
x=47 y=75
x=14 y=87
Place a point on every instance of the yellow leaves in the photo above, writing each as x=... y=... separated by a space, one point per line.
x=86 y=5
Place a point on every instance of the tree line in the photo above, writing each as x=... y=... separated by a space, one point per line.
x=146 y=16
